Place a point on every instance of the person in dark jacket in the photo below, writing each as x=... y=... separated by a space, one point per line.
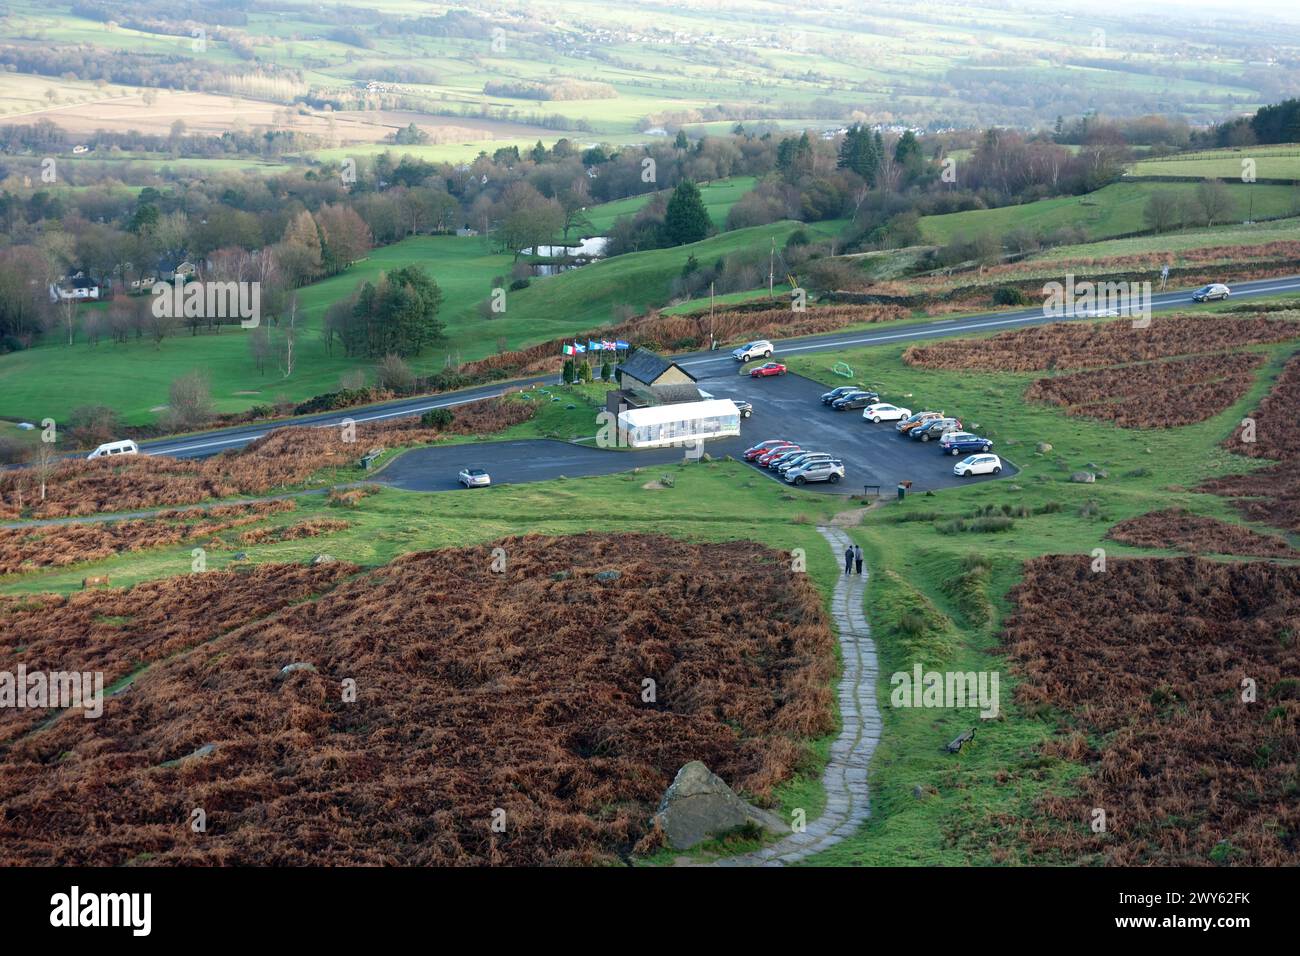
x=857 y=556
x=848 y=559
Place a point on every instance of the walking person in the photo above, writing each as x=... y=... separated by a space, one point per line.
x=857 y=556
x=848 y=559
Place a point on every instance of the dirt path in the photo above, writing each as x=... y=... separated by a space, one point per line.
x=845 y=776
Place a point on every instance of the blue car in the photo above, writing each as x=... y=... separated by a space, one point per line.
x=963 y=443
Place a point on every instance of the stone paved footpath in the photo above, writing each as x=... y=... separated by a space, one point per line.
x=845 y=777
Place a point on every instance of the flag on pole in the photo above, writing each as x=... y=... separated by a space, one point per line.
x=593 y=346
x=568 y=349
x=606 y=345
x=578 y=348
x=620 y=344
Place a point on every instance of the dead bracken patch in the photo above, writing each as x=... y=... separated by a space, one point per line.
x=1181 y=530
x=476 y=691
x=1162 y=394
x=56 y=546
x=1079 y=345
x=1269 y=495
x=1147 y=661
x=286 y=456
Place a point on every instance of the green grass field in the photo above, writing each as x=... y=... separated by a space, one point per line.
x=1270 y=162
x=718 y=198
x=52 y=379
x=1110 y=211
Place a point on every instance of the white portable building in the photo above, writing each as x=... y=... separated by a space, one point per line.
x=682 y=423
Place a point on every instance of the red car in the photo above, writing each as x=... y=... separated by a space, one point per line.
x=764 y=446
x=767 y=368
x=766 y=457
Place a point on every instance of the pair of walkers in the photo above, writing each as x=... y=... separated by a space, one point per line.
x=853 y=556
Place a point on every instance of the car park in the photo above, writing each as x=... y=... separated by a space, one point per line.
x=958 y=442
x=840 y=392
x=854 y=400
x=752 y=350
x=911 y=421
x=977 y=465
x=766 y=457
x=831 y=469
x=764 y=446
x=474 y=478
x=1208 y=293
x=934 y=429
x=766 y=369
x=884 y=412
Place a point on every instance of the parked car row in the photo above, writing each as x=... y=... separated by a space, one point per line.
x=795 y=464
x=947 y=432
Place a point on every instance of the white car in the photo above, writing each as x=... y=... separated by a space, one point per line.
x=1215 y=290
x=760 y=349
x=884 y=412
x=115 y=448
x=474 y=478
x=978 y=465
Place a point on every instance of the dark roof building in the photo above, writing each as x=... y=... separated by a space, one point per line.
x=649 y=369
x=646 y=379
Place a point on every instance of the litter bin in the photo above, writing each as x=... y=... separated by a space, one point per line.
x=902 y=491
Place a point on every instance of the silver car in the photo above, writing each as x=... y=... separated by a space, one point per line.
x=474 y=478
x=752 y=350
x=831 y=470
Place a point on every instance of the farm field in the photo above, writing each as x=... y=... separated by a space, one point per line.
x=1113 y=210
x=939 y=594
x=718 y=198
x=1270 y=162
x=83 y=111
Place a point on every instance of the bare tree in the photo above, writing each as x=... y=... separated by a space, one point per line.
x=290 y=333
x=44 y=462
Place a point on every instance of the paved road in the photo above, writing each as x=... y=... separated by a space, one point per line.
x=785 y=407
x=701 y=364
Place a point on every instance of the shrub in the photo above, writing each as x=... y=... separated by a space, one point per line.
x=394 y=374
x=91 y=425
x=1009 y=295
x=437 y=418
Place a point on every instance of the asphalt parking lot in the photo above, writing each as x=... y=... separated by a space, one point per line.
x=789 y=406
x=786 y=406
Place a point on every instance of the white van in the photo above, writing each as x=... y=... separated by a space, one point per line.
x=114 y=448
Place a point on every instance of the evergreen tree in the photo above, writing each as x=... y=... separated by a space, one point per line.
x=681 y=142
x=907 y=153
x=686 y=219
x=568 y=371
x=859 y=152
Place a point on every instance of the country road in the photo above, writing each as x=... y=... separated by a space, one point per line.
x=704 y=365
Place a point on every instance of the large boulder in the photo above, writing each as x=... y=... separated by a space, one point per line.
x=1083 y=477
x=698 y=805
